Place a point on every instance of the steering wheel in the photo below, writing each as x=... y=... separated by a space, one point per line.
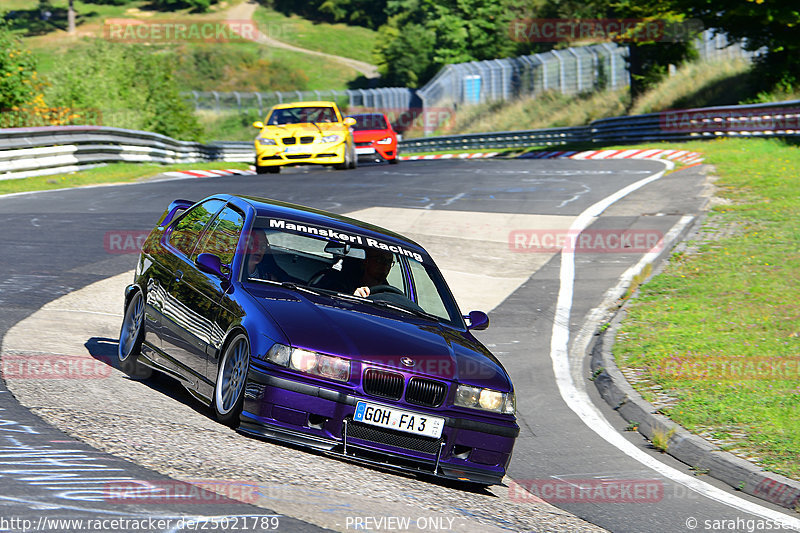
x=377 y=289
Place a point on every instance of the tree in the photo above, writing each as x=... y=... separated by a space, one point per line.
x=650 y=54
x=422 y=36
x=71 y=17
x=773 y=25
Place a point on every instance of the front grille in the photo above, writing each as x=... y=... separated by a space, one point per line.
x=383 y=384
x=398 y=439
x=362 y=145
x=289 y=140
x=306 y=140
x=425 y=392
x=298 y=156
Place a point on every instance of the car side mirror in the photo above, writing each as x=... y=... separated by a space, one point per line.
x=210 y=264
x=350 y=121
x=258 y=124
x=478 y=320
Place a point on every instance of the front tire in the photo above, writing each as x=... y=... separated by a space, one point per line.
x=231 y=379
x=347 y=161
x=353 y=157
x=131 y=335
x=267 y=170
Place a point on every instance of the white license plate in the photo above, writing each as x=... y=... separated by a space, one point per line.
x=391 y=418
x=365 y=151
x=296 y=150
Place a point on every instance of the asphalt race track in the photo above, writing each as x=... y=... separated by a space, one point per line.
x=129 y=432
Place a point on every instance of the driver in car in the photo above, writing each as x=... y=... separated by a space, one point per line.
x=376 y=267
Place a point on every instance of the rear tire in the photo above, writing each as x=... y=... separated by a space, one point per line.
x=131 y=335
x=231 y=380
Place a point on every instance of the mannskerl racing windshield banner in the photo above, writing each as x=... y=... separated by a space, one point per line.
x=342 y=236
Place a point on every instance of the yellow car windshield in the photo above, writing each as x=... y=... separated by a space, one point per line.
x=300 y=115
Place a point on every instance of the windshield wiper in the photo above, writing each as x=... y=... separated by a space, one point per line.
x=415 y=312
x=288 y=285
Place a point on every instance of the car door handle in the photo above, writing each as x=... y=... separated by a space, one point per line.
x=178 y=275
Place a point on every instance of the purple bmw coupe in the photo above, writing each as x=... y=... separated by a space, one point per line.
x=316 y=329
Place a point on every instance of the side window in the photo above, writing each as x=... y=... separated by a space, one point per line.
x=427 y=294
x=395 y=276
x=187 y=230
x=222 y=236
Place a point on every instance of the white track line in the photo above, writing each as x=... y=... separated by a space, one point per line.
x=580 y=403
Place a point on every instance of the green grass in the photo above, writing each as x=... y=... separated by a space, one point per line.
x=728 y=302
x=113 y=173
x=323 y=74
x=340 y=39
x=49 y=42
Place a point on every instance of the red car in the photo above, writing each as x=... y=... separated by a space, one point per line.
x=374 y=137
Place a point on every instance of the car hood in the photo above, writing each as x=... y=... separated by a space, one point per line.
x=370 y=135
x=300 y=130
x=382 y=337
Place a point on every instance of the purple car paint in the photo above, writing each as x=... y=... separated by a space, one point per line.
x=249 y=303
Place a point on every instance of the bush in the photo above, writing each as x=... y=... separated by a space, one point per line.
x=216 y=68
x=171 y=5
x=19 y=83
x=130 y=86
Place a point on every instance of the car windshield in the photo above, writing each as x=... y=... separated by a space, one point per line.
x=338 y=263
x=301 y=115
x=370 y=122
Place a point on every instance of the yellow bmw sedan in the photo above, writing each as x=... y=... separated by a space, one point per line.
x=303 y=133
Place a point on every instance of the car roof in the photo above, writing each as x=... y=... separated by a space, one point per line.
x=317 y=103
x=269 y=208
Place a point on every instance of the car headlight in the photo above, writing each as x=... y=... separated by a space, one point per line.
x=485 y=399
x=263 y=141
x=331 y=139
x=326 y=366
x=387 y=140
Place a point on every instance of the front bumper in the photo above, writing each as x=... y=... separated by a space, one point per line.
x=322 y=418
x=307 y=154
x=373 y=151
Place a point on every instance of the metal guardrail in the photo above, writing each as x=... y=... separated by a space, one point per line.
x=497 y=140
x=28 y=152
x=778 y=119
